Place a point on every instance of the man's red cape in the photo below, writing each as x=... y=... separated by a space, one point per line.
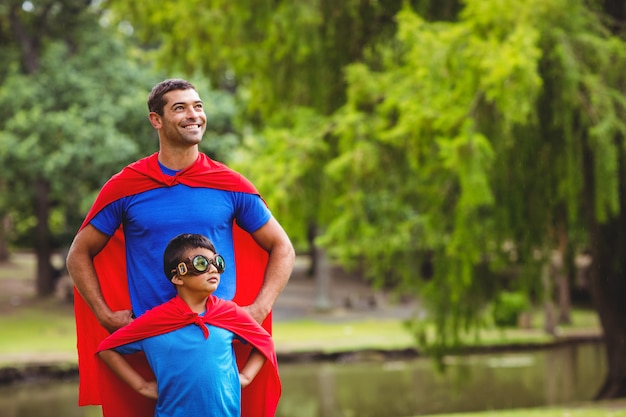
x=175 y=314
x=110 y=264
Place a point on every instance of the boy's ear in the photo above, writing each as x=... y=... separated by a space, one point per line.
x=176 y=280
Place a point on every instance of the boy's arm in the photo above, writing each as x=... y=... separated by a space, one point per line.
x=127 y=373
x=255 y=362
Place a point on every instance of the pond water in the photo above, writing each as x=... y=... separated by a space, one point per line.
x=493 y=381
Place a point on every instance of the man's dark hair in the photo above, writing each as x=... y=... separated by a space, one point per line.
x=156 y=102
x=176 y=248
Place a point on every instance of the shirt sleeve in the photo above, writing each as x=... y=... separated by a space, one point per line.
x=132 y=347
x=108 y=219
x=251 y=212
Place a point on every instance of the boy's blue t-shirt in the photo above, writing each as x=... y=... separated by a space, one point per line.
x=195 y=376
x=152 y=218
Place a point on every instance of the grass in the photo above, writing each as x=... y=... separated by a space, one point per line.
x=308 y=335
x=37 y=328
x=39 y=332
x=616 y=408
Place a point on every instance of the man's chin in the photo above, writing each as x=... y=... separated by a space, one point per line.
x=193 y=140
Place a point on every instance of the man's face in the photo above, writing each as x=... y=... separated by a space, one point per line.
x=183 y=121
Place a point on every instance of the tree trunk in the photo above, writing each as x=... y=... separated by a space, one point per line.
x=321 y=272
x=5 y=226
x=311 y=235
x=323 y=279
x=45 y=270
x=29 y=45
x=607 y=280
x=608 y=241
x=549 y=325
x=561 y=268
x=608 y=286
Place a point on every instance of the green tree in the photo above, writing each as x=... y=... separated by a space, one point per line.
x=459 y=144
x=73 y=105
x=284 y=60
x=504 y=132
x=70 y=98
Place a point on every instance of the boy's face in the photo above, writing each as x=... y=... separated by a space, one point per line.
x=206 y=282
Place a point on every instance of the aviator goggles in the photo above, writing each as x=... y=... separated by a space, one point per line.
x=199 y=264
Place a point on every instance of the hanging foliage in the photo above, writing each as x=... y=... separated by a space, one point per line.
x=443 y=147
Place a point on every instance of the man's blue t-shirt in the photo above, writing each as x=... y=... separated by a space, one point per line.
x=152 y=218
x=195 y=376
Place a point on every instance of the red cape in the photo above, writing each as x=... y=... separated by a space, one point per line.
x=110 y=264
x=175 y=314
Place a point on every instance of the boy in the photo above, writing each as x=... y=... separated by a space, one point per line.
x=188 y=341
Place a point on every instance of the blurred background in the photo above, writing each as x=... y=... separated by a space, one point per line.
x=455 y=166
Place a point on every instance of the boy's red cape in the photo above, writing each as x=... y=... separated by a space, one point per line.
x=116 y=399
x=175 y=314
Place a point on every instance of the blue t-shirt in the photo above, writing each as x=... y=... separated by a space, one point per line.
x=195 y=376
x=152 y=218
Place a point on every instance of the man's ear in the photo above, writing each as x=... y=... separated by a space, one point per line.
x=155 y=120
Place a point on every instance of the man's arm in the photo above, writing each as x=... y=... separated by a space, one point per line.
x=86 y=245
x=122 y=368
x=273 y=239
x=255 y=362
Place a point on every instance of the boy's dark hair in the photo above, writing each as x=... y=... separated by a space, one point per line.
x=176 y=248
x=156 y=102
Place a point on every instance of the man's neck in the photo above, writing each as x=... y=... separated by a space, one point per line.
x=176 y=159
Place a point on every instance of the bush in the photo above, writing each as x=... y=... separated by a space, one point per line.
x=508 y=307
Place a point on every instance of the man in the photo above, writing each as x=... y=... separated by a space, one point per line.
x=176 y=190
